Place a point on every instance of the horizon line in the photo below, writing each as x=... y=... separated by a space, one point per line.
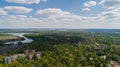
x=58 y=28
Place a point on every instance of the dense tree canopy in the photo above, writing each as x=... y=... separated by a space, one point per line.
x=65 y=49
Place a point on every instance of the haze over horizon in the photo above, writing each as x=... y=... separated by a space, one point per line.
x=77 y=14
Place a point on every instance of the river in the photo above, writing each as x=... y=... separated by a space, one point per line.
x=26 y=40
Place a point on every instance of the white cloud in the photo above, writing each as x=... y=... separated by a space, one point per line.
x=55 y=15
x=110 y=4
x=90 y=3
x=18 y=21
x=57 y=18
x=58 y=15
x=24 y=1
x=113 y=14
x=86 y=9
x=52 y=12
x=2 y=12
x=17 y=9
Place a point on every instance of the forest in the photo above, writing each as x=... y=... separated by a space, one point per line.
x=69 y=49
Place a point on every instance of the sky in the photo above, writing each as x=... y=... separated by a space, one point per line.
x=82 y=14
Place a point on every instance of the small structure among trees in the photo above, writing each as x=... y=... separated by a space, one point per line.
x=12 y=58
x=114 y=64
x=32 y=53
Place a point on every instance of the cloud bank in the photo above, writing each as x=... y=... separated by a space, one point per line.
x=24 y=1
x=17 y=9
x=90 y=3
x=21 y=16
x=3 y=12
x=110 y=3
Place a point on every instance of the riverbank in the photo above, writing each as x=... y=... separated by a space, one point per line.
x=17 y=37
x=7 y=37
x=13 y=42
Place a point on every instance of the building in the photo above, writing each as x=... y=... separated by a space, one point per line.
x=29 y=53
x=103 y=57
x=8 y=60
x=38 y=55
x=32 y=53
x=21 y=55
x=12 y=58
x=114 y=64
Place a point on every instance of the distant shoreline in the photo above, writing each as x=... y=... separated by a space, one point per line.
x=34 y=30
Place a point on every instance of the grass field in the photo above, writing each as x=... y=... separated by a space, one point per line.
x=7 y=37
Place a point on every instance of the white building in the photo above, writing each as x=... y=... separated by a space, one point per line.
x=114 y=64
x=8 y=60
x=13 y=58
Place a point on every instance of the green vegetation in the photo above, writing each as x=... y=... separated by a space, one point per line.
x=70 y=49
x=7 y=37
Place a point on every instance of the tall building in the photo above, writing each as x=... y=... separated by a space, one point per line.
x=8 y=60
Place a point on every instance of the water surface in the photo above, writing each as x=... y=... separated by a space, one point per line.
x=26 y=40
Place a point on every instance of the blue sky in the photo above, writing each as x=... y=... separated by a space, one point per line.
x=60 y=14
